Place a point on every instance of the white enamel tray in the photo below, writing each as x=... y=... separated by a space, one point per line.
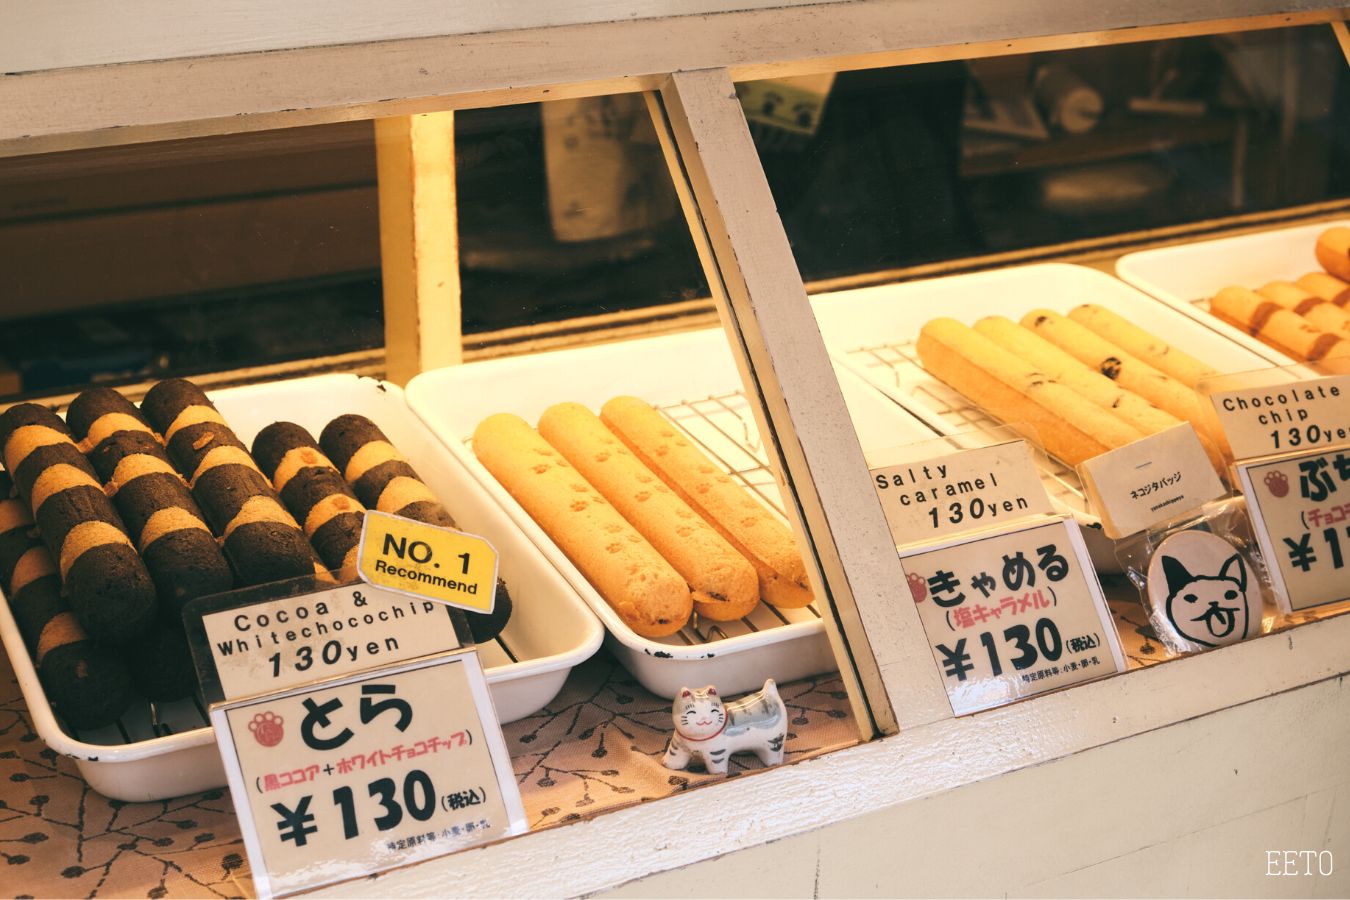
x=1187 y=275
x=872 y=331
x=691 y=377
x=550 y=631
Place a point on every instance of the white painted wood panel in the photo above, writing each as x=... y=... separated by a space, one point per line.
x=96 y=105
x=1297 y=750
x=782 y=359
x=67 y=33
x=60 y=33
x=1189 y=810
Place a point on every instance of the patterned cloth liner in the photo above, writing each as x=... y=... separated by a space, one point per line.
x=597 y=747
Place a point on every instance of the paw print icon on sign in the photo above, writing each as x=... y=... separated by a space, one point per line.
x=1277 y=484
x=266 y=729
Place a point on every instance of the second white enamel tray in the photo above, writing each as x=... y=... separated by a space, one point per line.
x=873 y=330
x=693 y=380
x=1187 y=275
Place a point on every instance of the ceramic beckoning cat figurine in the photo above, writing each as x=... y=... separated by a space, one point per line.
x=709 y=730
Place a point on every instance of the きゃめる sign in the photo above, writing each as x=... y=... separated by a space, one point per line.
x=1012 y=613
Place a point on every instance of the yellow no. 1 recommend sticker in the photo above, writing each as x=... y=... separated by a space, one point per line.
x=426 y=561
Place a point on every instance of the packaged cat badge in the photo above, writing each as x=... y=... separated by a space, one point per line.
x=1201 y=577
x=1199 y=582
x=710 y=731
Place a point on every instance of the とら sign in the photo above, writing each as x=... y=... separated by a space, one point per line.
x=425 y=561
x=1013 y=613
x=347 y=777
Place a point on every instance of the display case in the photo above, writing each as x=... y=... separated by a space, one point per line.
x=768 y=260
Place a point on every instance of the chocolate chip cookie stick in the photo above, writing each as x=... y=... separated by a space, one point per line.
x=385 y=481
x=1139 y=343
x=88 y=685
x=1272 y=324
x=261 y=539
x=153 y=499
x=102 y=575
x=315 y=493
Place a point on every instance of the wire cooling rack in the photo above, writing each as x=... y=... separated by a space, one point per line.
x=897 y=364
x=723 y=426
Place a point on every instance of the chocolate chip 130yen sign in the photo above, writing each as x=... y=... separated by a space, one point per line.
x=1013 y=614
x=351 y=776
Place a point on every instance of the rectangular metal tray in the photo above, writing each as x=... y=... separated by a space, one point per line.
x=873 y=331
x=693 y=380
x=1187 y=275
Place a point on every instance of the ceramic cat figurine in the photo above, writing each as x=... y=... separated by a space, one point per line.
x=709 y=730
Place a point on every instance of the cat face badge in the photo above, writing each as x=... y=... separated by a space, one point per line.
x=1199 y=584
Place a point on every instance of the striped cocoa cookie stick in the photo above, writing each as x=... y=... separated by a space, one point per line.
x=162 y=518
x=381 y=476
x=384 y=480
x=88 y=685
x=102 y=575
x=261 y=539
x=315 y=493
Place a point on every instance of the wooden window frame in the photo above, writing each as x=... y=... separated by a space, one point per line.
x=771 y=329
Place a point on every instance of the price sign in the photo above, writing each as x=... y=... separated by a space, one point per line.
x=351 y=776
x=1290 y=438
x=960 y=491
x=1012 y=614
x=1285 y=415
x=1300 y=506
x=252 y=642
x=425 y=561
